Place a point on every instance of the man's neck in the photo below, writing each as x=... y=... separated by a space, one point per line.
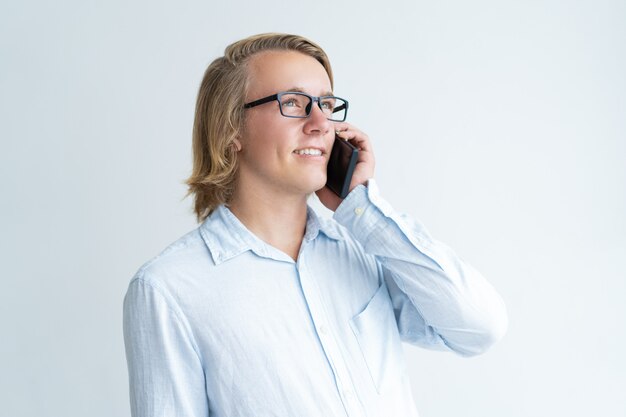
x=278 y=219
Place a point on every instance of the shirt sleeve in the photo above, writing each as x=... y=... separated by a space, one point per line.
x=439 y=301
x=165 y=372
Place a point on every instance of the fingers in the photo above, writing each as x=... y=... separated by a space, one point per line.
x=354 y=135
x=365 y=161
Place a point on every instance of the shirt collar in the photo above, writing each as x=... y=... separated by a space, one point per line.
x=226 y=237
x=314 y=225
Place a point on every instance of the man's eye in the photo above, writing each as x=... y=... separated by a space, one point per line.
x=290 y=103
x=327 y=105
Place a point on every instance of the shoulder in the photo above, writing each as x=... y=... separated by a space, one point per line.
x=182 y=259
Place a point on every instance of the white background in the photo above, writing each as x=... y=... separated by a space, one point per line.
x=500 y=125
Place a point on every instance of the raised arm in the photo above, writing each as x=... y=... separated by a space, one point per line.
x=440 y=302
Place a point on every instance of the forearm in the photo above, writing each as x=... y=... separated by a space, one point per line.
x=451 y=297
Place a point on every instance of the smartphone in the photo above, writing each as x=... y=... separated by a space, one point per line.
x=341 y=165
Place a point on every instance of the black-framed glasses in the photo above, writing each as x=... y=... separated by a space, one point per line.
x=299 y=105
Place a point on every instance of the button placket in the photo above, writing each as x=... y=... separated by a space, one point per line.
x=329 y=345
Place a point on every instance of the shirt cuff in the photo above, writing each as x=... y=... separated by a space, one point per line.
x=364 y=211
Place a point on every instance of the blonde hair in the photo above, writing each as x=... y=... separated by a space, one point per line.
x=219 y=115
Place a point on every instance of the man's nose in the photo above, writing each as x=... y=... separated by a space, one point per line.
x=317 y=119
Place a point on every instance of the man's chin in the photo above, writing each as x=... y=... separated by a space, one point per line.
x=319 y=185
x=313 y=183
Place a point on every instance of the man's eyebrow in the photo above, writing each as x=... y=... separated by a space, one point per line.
x=301 y=90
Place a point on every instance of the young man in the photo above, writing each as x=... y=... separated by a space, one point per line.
x=267 y=309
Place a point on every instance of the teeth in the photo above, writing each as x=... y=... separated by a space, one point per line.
x=308 y=151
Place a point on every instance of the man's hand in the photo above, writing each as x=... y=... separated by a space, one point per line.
x=364 y=169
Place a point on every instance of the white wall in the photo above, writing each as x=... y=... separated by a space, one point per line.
x=501 y=125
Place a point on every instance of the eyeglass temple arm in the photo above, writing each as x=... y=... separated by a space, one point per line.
x=343 y=106
x=260 y=101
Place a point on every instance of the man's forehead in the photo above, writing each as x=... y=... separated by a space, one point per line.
x=287 y=71
x=303 y=90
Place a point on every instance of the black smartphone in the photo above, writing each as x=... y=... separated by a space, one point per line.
x=341 y=165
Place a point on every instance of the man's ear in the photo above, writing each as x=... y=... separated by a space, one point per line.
x=237 y=143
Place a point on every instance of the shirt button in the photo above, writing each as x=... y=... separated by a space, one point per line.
x=358 y=211
x=323 y=329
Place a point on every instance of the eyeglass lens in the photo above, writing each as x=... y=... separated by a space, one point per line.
x=300 y=105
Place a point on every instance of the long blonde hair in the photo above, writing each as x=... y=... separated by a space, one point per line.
x=219 y=115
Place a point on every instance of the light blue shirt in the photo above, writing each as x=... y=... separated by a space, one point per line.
x=222 y=324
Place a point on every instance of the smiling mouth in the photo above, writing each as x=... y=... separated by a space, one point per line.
x=308 y=151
